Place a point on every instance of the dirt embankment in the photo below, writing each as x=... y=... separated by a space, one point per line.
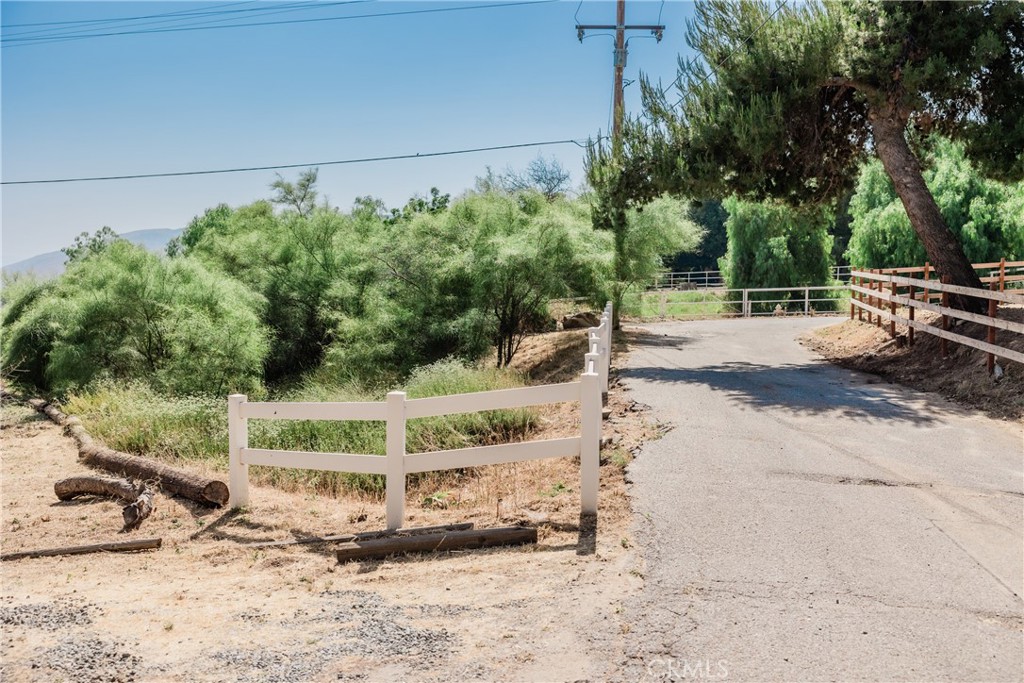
x=961 y=376
x=205 y=607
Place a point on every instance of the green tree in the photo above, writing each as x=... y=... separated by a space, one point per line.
x=786 y=102
x=300 y=266
x=86 y=245
x=299 y=196
x=451 y=283
x=710 y=215
x=774 y=245
x=127 y=314
x=978 y=210
x=435 y=203
x=621 y=175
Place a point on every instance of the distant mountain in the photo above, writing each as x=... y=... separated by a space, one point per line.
x=52 y=264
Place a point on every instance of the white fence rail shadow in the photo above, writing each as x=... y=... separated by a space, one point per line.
x=397 y=409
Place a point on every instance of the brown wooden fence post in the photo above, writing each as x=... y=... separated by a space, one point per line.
x=878 y=301
x=943 y=346
x=1002 y=274
x=927 y=296
x=871 y=298
x=892 y=308
x=853 y=295
x=860 y=298
x=993 y=312
x=910 y=328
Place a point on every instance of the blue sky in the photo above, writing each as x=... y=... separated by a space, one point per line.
x=293 y=94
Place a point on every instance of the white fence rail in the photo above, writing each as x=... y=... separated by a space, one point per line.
x=713 y=279
x=396 y=410
x=743 y=302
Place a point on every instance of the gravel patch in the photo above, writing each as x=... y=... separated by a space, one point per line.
x=91 y=659
x=49 y=616
x=365 y=626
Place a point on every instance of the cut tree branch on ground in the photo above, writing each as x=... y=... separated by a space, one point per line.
x=139 y=497
x=173 y=481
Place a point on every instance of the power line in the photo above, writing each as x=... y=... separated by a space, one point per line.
x=113 y=19
x=203 y=17
x=278 y=167
x=42 y=40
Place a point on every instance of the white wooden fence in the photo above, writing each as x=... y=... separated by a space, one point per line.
x=398 y=409
x=713 y=279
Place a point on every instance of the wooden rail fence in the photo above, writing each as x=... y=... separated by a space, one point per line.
x=887 y=293
x=397 y=409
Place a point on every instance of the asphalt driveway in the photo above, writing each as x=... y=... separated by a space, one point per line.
x=804 y=522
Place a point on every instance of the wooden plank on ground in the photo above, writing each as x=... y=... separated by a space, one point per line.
x=362 y=535
x=437 y=542
x=118 y=547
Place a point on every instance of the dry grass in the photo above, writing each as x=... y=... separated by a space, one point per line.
x=961 y=376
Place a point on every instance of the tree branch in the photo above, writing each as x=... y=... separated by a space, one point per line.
x=842 y=81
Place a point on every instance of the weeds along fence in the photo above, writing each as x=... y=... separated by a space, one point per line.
x=743 y=303
x=896 y=298
x=397 y=409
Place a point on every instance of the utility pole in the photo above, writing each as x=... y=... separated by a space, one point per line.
x=619 y=62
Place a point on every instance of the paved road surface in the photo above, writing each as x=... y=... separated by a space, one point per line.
x=804 y=522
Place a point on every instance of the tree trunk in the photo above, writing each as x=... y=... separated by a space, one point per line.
x=942 y=246
x=619 y=226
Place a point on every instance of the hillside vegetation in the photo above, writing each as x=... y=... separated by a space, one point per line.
x=294 y=299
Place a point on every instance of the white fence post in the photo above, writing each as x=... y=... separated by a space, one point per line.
x=590 y=435
x=395 y=486
x=238 y=438
x=606 y=361
x=807 y=300
x=746 y=305
x=602 y=350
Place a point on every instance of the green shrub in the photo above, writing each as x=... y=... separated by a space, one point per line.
x=127 y=314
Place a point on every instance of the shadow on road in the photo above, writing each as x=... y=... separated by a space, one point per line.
x=804 y=389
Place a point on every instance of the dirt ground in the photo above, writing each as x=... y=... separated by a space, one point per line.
x=962 y=376
x=205 y=607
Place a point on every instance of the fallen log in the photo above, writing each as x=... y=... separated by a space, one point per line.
x=72 y=487
x=119 y=547
x=362 y=535
x=455 y=540
x=175 y=482
x=139 y=497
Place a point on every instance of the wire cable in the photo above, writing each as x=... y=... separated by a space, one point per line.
x=277 y=167
x=114 y=19
x=204 y=18
x=461 y=8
